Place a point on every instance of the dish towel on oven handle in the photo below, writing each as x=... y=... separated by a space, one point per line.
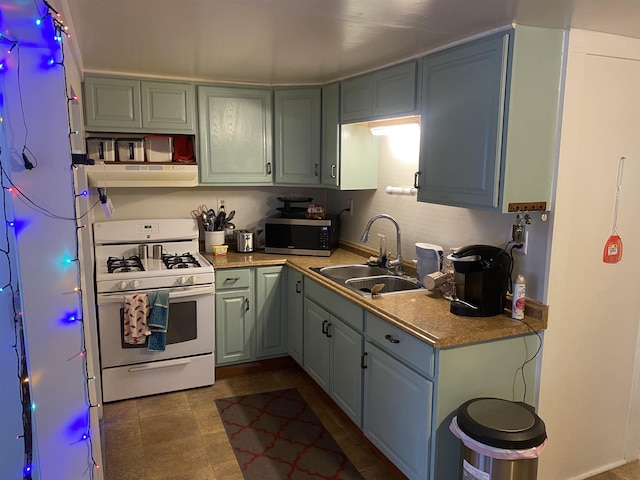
x=158 y=320
x=135 y=321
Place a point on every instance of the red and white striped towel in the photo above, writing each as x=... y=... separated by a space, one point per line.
x=136 y=314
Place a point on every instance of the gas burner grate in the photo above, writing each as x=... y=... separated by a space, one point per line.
x=186 y=260
x=121 y=264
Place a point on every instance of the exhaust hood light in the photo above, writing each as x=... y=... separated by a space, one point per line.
x=395 y=125
x=391 y=129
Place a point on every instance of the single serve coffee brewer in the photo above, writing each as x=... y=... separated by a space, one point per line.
x=481 y=280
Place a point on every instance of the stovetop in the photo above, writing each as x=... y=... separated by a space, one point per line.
x=119 y=268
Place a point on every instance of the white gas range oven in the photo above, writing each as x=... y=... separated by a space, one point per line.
x=123 y=276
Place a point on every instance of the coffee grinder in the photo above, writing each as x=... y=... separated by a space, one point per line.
x=481 y=280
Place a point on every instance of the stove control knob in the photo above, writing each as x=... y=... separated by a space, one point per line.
x=134 y=284
x=122 y=285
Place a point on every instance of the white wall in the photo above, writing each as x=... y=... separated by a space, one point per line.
x=11 y=449
x=35 y=115
x=591 y=343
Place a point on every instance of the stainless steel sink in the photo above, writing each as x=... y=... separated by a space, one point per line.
x=345 y=272
x=361 y=277
x=391 y=284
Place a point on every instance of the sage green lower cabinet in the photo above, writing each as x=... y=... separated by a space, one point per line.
x=397 y=412
x=333 y=347
x=295 y=314
x=271 y=322
x=250 y=320
x=412 y=392
x=317 y=360
x=398 y=395
x=235 y=316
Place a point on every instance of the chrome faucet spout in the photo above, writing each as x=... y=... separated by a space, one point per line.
x=397 y=263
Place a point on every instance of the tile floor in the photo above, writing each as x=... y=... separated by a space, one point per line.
x=179 y=436
x=630 y=471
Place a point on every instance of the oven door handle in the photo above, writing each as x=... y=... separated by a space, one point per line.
x=104 y=298
x=154 y=366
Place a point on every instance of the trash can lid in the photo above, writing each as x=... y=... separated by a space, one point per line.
x=501 y=423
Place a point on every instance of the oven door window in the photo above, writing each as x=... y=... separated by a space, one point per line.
x=182 y=325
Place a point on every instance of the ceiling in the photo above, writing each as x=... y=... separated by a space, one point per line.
x=304 y=41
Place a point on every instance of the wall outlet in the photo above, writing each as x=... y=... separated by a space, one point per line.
x=517 y=234
x=222 y=202
x=350 y=206
x=519 y=239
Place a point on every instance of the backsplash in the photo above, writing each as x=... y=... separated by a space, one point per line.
x=419 y=222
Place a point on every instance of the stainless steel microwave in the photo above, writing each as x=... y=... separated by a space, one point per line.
x=301 y=236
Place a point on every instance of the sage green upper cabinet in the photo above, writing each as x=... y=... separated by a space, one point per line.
x=168 y=107
x=489 y=121
x=349 y=152
x=297 y=136
x=330 y=172
x=235 y=135
x=357 y=99
x=112 y=103
x=131 y=105
x=390 y=92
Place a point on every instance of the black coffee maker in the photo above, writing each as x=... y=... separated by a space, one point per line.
x=481 y=280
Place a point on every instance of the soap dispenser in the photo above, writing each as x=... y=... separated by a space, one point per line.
x=382 y=254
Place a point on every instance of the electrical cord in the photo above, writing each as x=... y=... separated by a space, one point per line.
x=527 y=361
x=32 y=204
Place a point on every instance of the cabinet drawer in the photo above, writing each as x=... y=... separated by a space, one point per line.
x=233 y=278
x=346 y=310
x=405 y=347
x=150 y=378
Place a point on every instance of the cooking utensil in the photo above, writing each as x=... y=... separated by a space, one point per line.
x=613 y=247
x=219 y=222
x=232 y=214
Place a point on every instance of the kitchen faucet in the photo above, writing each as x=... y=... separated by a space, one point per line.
x=395 y=265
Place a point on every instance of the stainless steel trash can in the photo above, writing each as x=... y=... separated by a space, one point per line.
x=502 y=440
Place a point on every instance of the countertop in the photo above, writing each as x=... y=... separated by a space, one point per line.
x=423 y=314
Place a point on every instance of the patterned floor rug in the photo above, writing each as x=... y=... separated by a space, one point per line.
x=276 y=436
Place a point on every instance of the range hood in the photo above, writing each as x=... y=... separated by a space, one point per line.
x=142 y=174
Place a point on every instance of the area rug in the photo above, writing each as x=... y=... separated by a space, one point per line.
x=276 y=436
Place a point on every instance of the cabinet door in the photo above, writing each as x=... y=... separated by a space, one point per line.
x=346 y=369
x=111 y=103
x=235 y=135
x=397 y=412
x=295 y=311
x=395 y=91
x=297 y=136
x=356 y=102
x=168 y=107
x=316 y=343
x=463 y=101
x=271 y=326
x=235 y=321
x=330 y=135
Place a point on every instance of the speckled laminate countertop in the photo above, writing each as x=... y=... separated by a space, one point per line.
x=423 y=314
